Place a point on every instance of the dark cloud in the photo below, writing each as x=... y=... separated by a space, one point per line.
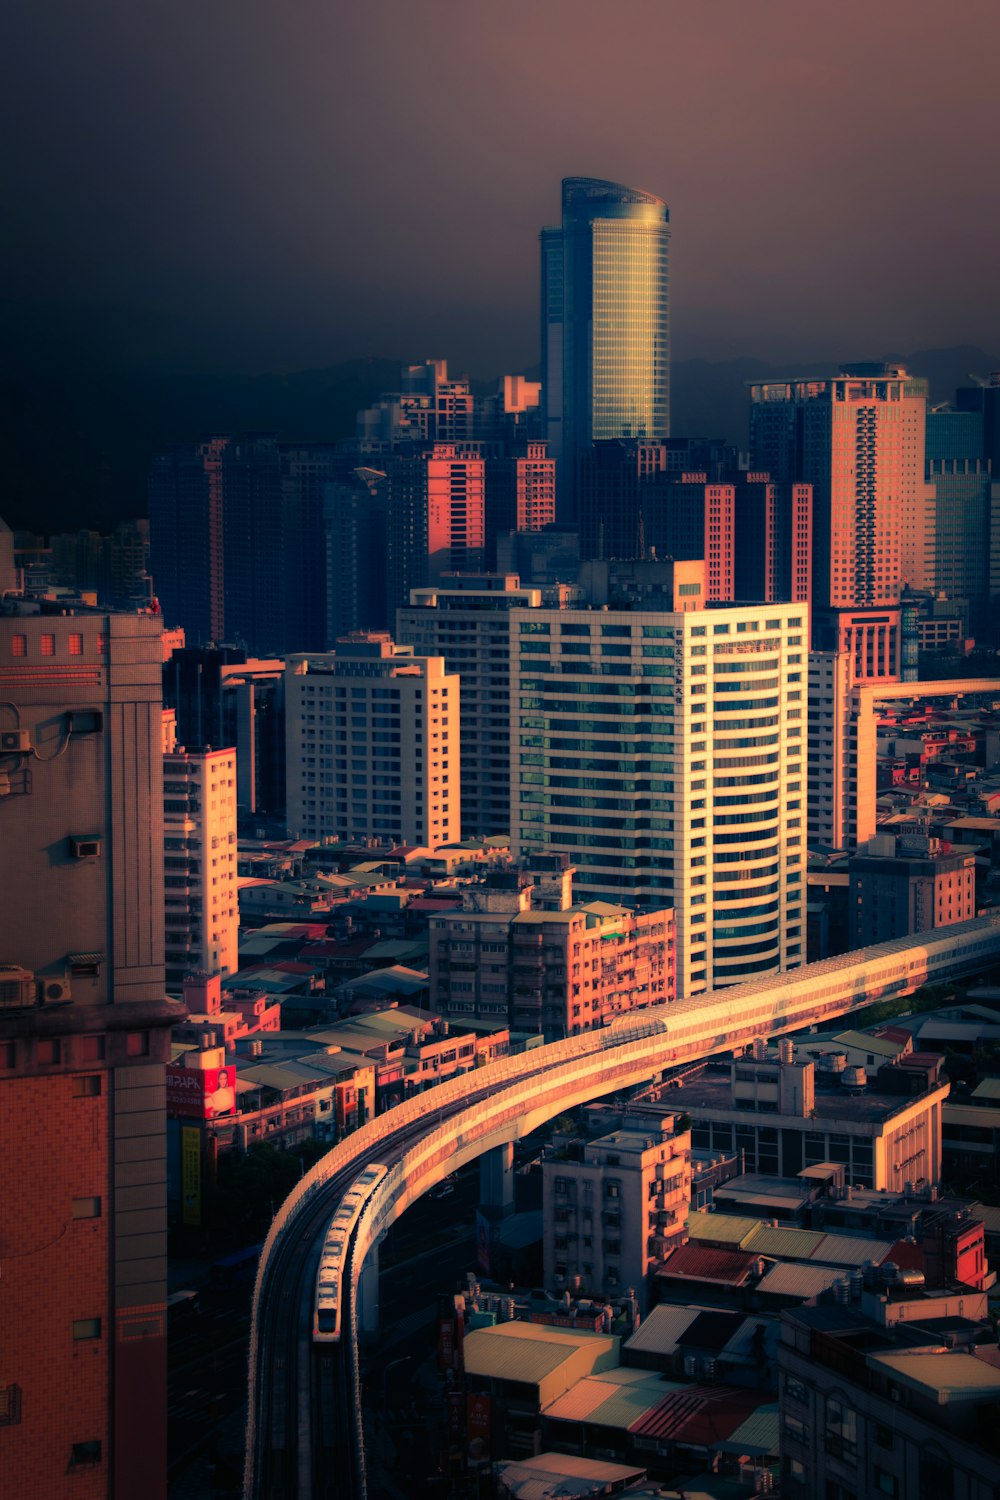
x=298 y=181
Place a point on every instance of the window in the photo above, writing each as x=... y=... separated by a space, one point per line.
x=886 y=1484
x=76 y=645
x=85 y=1455
x=137 y=1044
x=86 y=1208
x=10 y=1405
x=87 y=1328
x=841 y=1431
x=47 y=645
x=87 y=1087
x=47 y=1050
x=18 y=647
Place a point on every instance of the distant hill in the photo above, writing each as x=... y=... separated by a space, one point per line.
x=75 y=448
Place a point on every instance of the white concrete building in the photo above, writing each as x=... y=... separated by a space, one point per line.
x=663 y=750
x=199 y=858
x=616 y=1209
x=373 y=745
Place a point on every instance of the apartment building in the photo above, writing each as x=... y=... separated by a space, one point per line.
x=614 y=1207
x=199 y=857
x=661 y=746
x=373 y=745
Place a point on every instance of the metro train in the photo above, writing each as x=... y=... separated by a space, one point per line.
x=329 y=1299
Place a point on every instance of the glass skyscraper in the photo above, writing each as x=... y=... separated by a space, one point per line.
x=605 y=319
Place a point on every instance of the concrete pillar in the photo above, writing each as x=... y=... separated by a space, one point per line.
x=368 y=1308
x=496 y=1180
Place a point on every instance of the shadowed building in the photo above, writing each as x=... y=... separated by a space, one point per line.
x=84 y=1039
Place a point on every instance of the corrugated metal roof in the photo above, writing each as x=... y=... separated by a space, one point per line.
x=785 y=1244
x=758 y=1435
x=526 y=1352
x=793 y=1279
x=988 y=1089
x=753 y=1334
x=720 y=1229
x=608 y=1400
x=849 y=1250
x=659 y=1332
x=708 y=1263
x=551 y=1475
x=699 y=1415
x=865 y=1042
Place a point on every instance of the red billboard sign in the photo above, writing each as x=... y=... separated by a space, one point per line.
x=200 y=1094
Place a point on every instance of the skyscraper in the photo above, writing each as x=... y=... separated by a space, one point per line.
x=858 y=439
x=605 y=320
x=661 y=746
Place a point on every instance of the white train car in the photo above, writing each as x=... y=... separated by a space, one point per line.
x=329 y=1278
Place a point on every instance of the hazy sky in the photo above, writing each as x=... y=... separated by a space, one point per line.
x=291 y=182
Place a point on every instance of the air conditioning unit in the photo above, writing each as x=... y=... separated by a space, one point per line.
x=15 y=742
x=54 y=990
x=17 y=987
x=84 y=846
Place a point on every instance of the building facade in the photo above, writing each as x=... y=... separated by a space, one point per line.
x=373 y=745
x=663 y=750
x=552 y=968
x=84 y=1040
x=859 y=439
x=467 y=621
x=615 y=1207
x=200 y=882
x=605 y=318
x=902 y=885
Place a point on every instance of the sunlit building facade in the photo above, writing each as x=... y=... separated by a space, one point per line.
x=605 y=319
x=663 y=751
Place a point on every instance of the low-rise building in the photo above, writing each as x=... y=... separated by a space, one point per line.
x=521 y=953
x=615 y=1207
x=782 y=1124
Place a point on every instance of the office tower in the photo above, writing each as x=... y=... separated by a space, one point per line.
x=307 y=471
x=858 y=438
x=467 y=622
x=437 y=504
x=557 y=968
x=185 y=534
x=612 y=479
x=772 y=539
x=965 y=543
x=373 y=745
x=354 y=542
x=199 y=857
x=221 y=700
x=661 y=746
x=520 y=493
x=605 y=321
x=84 y=1039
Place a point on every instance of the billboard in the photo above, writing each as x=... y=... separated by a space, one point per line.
x=200 y=1093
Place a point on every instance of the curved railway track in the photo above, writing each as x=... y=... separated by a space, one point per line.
x=304 y=1421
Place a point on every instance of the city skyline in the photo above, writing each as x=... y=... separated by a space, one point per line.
x=791 y=161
